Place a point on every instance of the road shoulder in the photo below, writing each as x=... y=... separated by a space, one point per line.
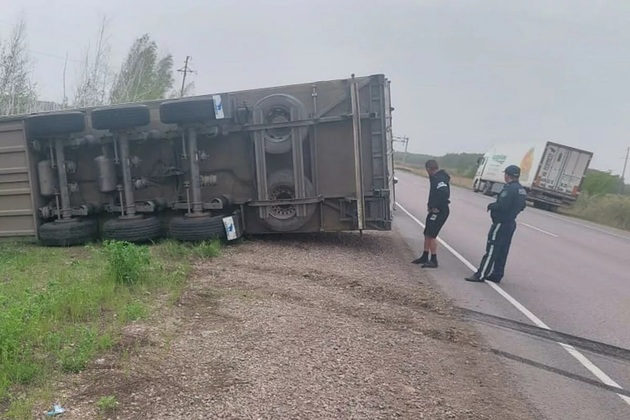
x=324 y=326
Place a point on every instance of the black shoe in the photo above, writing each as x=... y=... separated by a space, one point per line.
x=430 y=264
x=493 y=278
x=421 y=260
x=474 y=278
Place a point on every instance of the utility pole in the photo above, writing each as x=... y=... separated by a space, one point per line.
x=185 y=70
x=622 y=181
x=405 y=140
x=406 y=147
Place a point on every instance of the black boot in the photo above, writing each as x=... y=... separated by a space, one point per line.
x=474 y=278
x=493 y=278
x=433 y=262
x=421 y=260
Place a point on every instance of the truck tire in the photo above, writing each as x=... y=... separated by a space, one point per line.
x=139 y=230
x=476 y=186
x=283 y=218
x=187 y=111
x=545 y=206
x=67 y=233
x=277 y=108
x=197 y=229
x=122 y=117
x=487 y=188
x=55 y=124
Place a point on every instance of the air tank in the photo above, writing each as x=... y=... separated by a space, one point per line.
x=48 y=182
x=107 y=180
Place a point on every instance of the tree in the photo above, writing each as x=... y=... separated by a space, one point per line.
x=600 y=183
x=95 y=74
x=17 y=92
x=143 y=75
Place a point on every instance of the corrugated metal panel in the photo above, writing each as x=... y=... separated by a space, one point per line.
x=17 y=210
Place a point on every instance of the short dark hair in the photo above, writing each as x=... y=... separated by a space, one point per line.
x=431 y=164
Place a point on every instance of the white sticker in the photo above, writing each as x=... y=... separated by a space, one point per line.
x=230 y=229
x=441 y=184
x=218 y=107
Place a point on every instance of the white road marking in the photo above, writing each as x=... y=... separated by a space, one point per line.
x=584 y=361
x=539 y=230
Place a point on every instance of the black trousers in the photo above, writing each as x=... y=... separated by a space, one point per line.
x=497 y=249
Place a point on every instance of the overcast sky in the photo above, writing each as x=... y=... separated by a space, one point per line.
x=465 y=74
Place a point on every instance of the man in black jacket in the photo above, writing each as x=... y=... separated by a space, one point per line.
x=503 y=212
x=438 y=211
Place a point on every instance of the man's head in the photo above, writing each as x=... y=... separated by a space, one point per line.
x=431 y=166
x=512 y=173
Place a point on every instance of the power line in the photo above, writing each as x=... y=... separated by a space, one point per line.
x=55 y=56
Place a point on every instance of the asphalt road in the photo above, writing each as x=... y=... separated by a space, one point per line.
x=571 y=275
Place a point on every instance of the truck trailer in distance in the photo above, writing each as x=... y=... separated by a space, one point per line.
x=552 y=173
x=301 y=158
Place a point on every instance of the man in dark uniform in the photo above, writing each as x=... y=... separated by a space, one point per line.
x=438 y=211
x=503 y=212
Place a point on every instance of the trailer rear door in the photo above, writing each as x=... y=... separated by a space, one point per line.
x=571 y=177
x=562 y=168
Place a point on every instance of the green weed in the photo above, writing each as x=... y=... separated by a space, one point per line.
x=135 y=311
x=107 y=404
x=126 y=263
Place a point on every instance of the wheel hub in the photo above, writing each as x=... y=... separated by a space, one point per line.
x=282 y=211
x=278 y=115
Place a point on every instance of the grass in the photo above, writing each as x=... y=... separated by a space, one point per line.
x=609 y=210
x=60 y=308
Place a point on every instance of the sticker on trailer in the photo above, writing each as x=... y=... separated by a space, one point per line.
x=230 y=229
x=218 y=107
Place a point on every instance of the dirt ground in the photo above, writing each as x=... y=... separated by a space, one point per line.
x=312 y=327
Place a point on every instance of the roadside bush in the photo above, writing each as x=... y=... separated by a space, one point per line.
x=610 y=210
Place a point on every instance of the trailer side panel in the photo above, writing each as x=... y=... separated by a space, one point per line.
x=17 y=204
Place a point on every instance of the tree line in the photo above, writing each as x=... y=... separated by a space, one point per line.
x=462 y=164
x=145 y=74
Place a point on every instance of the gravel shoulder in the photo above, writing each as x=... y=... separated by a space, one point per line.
x=317 y=327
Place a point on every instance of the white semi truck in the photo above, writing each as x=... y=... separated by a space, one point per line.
x=552 y=173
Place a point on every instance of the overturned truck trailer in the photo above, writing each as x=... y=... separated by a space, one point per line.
x=301 y=158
